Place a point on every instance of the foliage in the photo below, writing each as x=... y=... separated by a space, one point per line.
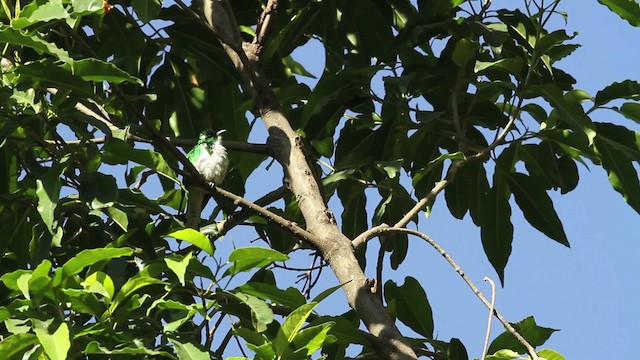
x=469 y=102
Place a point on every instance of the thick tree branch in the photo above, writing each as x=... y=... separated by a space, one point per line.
x=387 y=229
x=288 y=149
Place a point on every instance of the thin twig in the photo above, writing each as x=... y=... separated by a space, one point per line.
x=491 y=309
x=265 y=22
x=474 y=288
x=289 y=225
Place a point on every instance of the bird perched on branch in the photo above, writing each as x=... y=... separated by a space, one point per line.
x=209 y=157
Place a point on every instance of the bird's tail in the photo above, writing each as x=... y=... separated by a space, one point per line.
x=194 y=207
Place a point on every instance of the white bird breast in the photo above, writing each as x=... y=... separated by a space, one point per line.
x=214 y=166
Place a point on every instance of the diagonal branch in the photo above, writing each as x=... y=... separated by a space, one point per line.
x=387 y=229
x=287 y=148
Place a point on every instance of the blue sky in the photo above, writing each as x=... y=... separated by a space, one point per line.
x=590 y=291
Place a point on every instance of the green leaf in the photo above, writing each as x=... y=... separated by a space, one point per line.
x=98 y=189
x=50 y=73
x=17 y=343
x=368 y=29
x=94 y=347
x=291 y=327
x=550 y=355
x=86 y=258
x=194 y=238
x=464 y=51
x=247 y=258
x=630 y=111
x=261 y=313
x=511 y=66
x=147 y=10
x=627 y=9
x=622 y=174
x=48 y=192
x=325 y=294
x=290 y=298
x=504 y=354
x=311 y=338
x=86 y=7
x=97 y=70
x=569 y=112
x=100 y=283
x=189 y=351
x=534 y=334
x=132 y=285
x=179 y=266
x=411 y=305
x=497 y=230
x=456 y=350
x=55 y=345
x=627 y=89
x=17 y=37
x=537 y=207
x=120 y=152
x=42 y=13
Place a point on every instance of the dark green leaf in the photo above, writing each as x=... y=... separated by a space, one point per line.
x=537 y=207
x=631 y=111
x=569 y=112
x=456 y=350
x=118 y=151
x=51 y=73
x=16 y=37
x=411 y=305
x=98 y=71
x=290 y=298
x=147 y=10
x=534 y=334
x=622 y=174
x=627 y=9
x=497 y=230
x=627 y=89
x=99 y=190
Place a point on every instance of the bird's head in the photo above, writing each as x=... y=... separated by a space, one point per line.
x=210 y=134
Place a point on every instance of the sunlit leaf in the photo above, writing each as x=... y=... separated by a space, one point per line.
x=194 y=238
x=86 y=258
x=247 y=258
x=291 y=327
x=56 y=344
x=179 y=266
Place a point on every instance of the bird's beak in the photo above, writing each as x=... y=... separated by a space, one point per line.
x=220 y=132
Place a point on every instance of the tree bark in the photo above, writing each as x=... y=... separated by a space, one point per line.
x=287 y=148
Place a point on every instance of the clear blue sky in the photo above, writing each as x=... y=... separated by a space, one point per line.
x=589 y=292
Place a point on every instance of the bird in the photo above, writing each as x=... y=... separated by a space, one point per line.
x=210 y=158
